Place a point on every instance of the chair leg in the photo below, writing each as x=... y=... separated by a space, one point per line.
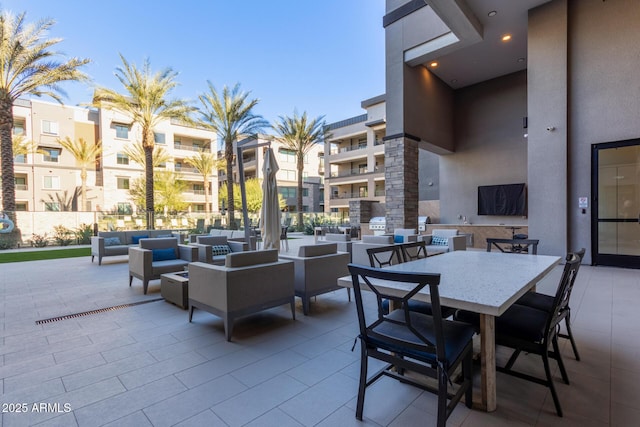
x=567 y=322
x=558 y=357
x=363 y=380
x=554 y=395
x=92 y=256
x=442 y=398
x=305 y=305
x=349 y=294
x=467 y=370
x=130 y=280
x=145 y=285
x=293 y=308
x=228 y=327
x=191 y=313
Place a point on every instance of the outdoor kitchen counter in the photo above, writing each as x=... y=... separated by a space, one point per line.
x=480 y=232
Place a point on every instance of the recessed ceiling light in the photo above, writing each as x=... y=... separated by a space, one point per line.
x=521 y=59
x=492 y=14
x=454 y=80
x=506 y=37
x=434 y=64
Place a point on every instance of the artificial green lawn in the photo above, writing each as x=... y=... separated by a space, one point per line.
x=43 y=254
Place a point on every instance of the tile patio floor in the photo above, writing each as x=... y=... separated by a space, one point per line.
x=148 y=366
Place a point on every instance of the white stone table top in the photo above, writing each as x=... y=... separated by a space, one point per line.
x=482 y=282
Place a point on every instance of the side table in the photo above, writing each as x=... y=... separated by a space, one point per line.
x=174 y=288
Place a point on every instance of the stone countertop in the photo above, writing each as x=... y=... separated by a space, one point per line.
x=483 y=282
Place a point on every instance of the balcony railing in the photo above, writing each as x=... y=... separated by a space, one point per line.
x=380 y=193
x=21 y=187
x=353 y=172
x=347 y=149
x=187 y=169
x=346 y=195
x=188 y=147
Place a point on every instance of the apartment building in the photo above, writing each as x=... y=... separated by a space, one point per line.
x=48 y=176
x=354 y=158
x=287 y=176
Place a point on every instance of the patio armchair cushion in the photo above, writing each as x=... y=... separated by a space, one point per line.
x=163 y=254
x=112 y=241
x=439 y=241
x=220 y=250
x=136 y=239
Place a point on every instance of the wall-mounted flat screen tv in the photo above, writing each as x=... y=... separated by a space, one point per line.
x=507 y=200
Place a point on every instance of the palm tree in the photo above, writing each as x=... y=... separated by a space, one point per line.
x=136 y=153
x=86 y=155
x=300 y=134
x=230 y=115
x=205 y=162
x=146 y=103
x=27 y=67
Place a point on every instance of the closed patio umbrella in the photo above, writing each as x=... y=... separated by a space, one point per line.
x=270 y=213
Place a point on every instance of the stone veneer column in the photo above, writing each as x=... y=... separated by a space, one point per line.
x=401 y=181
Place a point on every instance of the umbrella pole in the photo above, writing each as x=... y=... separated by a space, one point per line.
x=243 y=190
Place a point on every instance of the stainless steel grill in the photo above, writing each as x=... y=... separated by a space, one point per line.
x=422 y=223
x=378 y=224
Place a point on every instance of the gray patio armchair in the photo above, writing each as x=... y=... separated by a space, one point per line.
x=248 y=283
x=214 y=249
x=155 y=257
x=317 y=270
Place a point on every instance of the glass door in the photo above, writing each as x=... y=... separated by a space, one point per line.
x=616 y=203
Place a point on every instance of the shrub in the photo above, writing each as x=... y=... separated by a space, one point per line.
x=39 y=240
x=62 y=235
x=83 y=234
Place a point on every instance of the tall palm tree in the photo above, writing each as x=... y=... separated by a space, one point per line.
x=230 y=115
x=300 y=134
x=147 y=104
x=205 y=163
x=136 y=153
x=86 y=154
x=28 y=66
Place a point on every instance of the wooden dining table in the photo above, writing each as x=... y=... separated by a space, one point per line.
x=487 y=283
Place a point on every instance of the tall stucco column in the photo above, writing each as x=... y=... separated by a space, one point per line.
x=401 y=181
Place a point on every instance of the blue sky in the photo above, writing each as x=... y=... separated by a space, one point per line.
x=323 y=57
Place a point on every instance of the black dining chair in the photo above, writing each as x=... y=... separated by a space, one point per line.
x=414 y=250
x=545 y=303
x=533 y=331
x=412 y=342
x=385 y=256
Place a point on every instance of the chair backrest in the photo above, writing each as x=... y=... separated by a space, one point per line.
x=515 y=246
x=283 y=232
x=560 y=306
x=414 y=250
x=442 y=232
x=580 y=255
x=384 y=256
x=410 y=338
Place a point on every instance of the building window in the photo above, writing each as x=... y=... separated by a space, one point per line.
x=305 y=192
x=18 y=126
x=21 y=183
x=123 y=183
x=21 y=206
x=159 y=138
x=362 y=191
x=51 y=182
x=50 y=128
x=305 y=175
x=124 y=209
x=20 y=158
x=52 y=206
x=122 y=131
x=50 y=154
x=288 y=156
x=198 y=189
x=122 y=159
x=287 y=174
x=288 y=192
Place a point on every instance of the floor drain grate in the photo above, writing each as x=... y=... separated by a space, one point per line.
x=97 y=311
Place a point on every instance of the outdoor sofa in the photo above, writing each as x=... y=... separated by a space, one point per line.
x=441 y=240
x=214 y=249
x=112 y=243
